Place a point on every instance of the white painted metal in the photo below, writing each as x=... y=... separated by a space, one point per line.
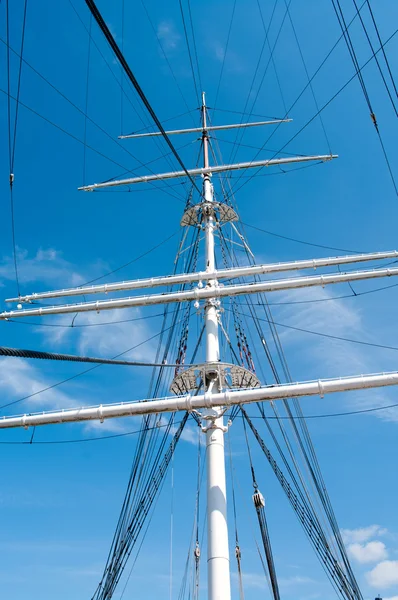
x=231 y=273
x=208 y=400
x=218 y=572
x=212 y=169
x=203 y=293
x=200 y=129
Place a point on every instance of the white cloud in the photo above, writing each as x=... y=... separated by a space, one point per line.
x=47 y=265
x=362 y=534
x=259 y=581
x=168 y=35
x=367 y=553
x=325 y=357
x=190 y=435
x=384 y=575
x=391 y=598
x=18 y=378
x=106 y=340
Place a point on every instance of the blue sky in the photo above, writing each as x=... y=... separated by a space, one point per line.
x=60 y=502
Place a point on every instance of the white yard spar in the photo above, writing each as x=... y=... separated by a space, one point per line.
x=231 y=273
x=215 y=399
x=203 y=293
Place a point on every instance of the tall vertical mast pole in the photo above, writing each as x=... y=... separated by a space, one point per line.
x=217 y=529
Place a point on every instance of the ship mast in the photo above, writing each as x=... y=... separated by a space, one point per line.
x=216 y=377
x=217 y=526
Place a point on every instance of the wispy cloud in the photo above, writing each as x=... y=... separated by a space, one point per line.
x=168 y=35
x=362 y=534
x=368 y=553
x=325 y=357
x=259 y=581
x=46 y=266
x=18 y=378
x=384 y=575
x=107 y=340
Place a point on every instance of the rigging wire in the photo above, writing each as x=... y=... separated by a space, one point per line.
x=304 y=443
x=23 y=353
x=225 y=54
x=117 y=79
x=239 y=135
x=111 y=41
x=78 y=326
x=259 y=504
x=297 y=241
x=330 y=336
x=307 y=518
x=308 y=76
x=71 y=135
x=13 y=137
x=381 y=44
x=194 y=45
x=86 y=101
x=84 y=440
x=163 y=155
x=271 y=50
x=189 y=52
x=323 y=107
x=238 y=552
x=166 y=59
x=340 y=17
x=137 y=258
x=376 y=59
x=58 y=383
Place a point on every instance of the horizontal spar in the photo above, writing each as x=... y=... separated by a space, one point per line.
x=200 y=129
x=202 y=293
x=230 y=273
x=208 y=400
x=207 y=170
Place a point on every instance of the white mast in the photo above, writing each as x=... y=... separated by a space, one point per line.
x=218 y=378
x=219 y=587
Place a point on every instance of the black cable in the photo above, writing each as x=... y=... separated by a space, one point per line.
x=328 y=416
x=326 y=335
x=194 y=44
x=12 y=140
x=259 y=505
x=239 y=112
x=86 y=102
x=92 y=439
x=119 y=83
x=110 y=39
x=376 y=59
x=225 y=54
x=54 y=385
x=308 y=75
x=19 y=81
x=88 y=118
x=23 y=353
x=358 y=73
x=166 y=58
x=271 y=51
x=71 y=135
x=323 y=107
x=134 y=259
x=189 y=53
x=73 y=326
x=381 y=44
x=290 y=239
x=356 y=295
x=239 y=134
